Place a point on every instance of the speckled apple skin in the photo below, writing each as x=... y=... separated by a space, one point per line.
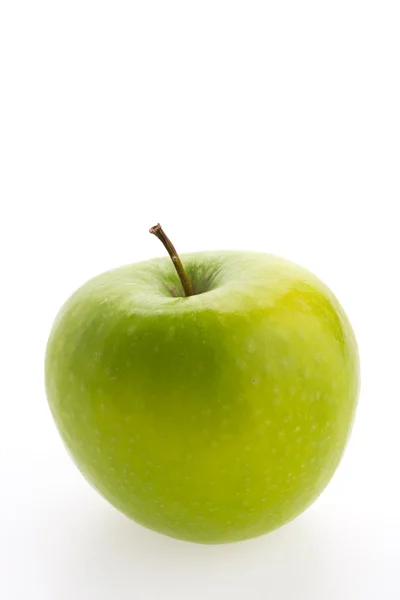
x=213 y=418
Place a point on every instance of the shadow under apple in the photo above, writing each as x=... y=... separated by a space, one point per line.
x=97 y=553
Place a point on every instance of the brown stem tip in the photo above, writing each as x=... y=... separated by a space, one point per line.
x=158 y=231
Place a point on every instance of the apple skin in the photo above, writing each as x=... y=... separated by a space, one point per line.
x=212 y=418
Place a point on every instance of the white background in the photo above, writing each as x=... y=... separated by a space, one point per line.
x=270 y=126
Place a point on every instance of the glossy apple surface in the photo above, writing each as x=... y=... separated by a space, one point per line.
x=211 y=418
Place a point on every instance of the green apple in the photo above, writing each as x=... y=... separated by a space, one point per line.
x=212 y=417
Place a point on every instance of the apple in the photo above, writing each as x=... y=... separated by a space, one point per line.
x=208 y=398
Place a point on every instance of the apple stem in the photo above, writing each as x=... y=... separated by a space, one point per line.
x=158 y=231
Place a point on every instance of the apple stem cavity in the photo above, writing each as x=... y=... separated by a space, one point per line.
x=158 y=231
